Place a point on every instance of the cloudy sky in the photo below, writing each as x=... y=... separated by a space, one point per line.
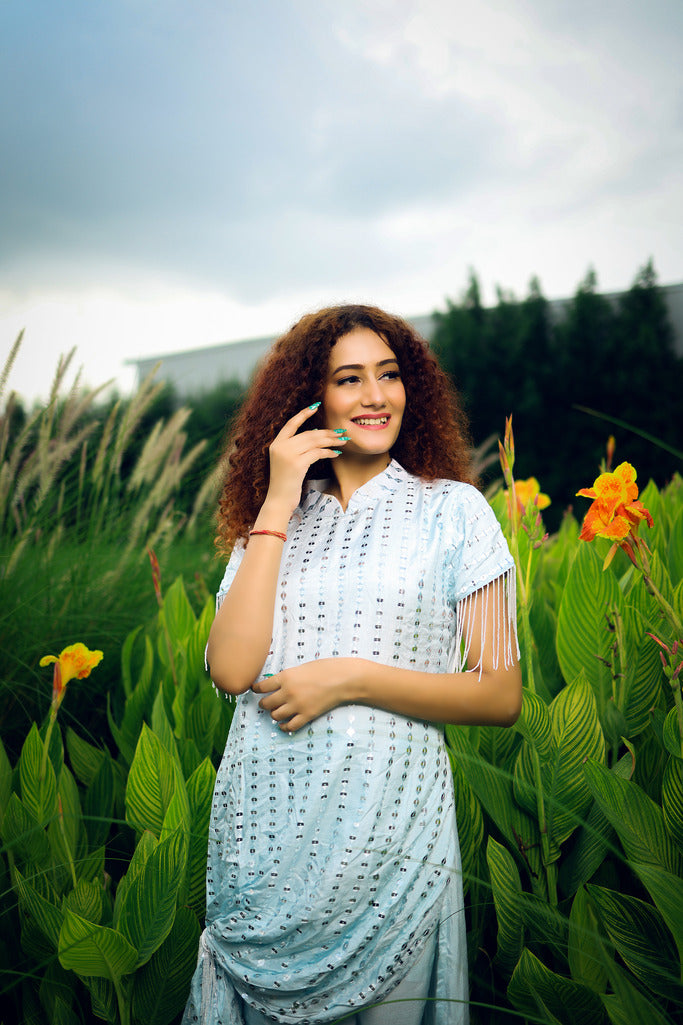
x=178 y=174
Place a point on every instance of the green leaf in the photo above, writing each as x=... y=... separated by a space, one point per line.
x=103 y=999
x=200 y=796
x=638 y=821
x=85 y=758
x=65 y=832
x=627 y=1005
x=196 y=645
x=666 y=891
x=641 y=939
x=89 y=949
x=642 y=684
x=138 y=706
x=178 y=614
x=38 y=782
x=161 y=986
x=534 y=987
x=507 y=891
x=595 y=838
x=151 y=782
x=86 y=900
x=582 y=634
x=161 y=727
x=585 y=950
x=202 y=719
x=468 y=816
x=126 y=660
x=674 y=557
x=22 y=834
x=47 y=917
x=148 y=909
x=671 y=736
x=5 y=780
x=535 y=725
x=99 y=803
x=543 y=623
x=145 y=848
x=672 y=800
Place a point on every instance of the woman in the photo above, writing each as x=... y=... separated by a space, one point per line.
x=368 y=596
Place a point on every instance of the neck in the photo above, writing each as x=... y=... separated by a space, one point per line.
x=351 y=474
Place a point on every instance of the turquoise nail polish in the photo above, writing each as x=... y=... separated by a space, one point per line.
x=336 y=451
x=345 y=437
x=340 y=430
x=314 y=405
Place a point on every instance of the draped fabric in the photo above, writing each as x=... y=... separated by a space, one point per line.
x=333 y=852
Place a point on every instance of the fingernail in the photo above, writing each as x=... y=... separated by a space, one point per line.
x=336 y=451
x=345 y=437
x=340 y=430
x=314 y=405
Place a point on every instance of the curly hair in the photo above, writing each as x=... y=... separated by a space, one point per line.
x=433 y=441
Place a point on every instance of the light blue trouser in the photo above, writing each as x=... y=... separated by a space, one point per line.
x=404 y=1005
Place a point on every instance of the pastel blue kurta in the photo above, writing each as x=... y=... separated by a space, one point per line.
x=333 y=852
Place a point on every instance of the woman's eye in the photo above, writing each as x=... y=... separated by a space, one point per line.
x=347 y=380
x=392 y=375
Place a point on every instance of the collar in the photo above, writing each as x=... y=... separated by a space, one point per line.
x=386 y=482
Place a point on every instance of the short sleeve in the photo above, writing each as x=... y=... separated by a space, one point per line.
x=477 y=551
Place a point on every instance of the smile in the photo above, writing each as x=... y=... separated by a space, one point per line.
x=370 y=421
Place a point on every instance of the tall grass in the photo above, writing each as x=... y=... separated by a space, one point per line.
x=74 y=529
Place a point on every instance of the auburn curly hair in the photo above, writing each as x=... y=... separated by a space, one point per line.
x=433 y=441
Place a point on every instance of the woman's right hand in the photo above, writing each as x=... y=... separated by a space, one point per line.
x=292 y=453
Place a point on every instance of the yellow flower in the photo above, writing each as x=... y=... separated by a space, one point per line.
x=529 y=491
x=75 y=662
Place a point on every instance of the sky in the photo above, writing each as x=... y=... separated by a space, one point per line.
x=178 y=174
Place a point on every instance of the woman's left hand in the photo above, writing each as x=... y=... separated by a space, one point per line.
x=296 y=696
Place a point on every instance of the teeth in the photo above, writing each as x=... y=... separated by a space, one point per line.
x=371 y=421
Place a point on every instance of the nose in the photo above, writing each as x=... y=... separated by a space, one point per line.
x=372 y=394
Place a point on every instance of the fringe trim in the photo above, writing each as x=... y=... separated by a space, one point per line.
x=497 y=602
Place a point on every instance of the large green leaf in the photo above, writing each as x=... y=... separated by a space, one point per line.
x=151 y=782
x=468 y=816
x=86 y=900
x=178 y=616
x=37 y=779
x=65 y=832
x=583 y=638
x=666 y=891
x=161 y=727
x=203 y=717
x=200 y=795
x=627 y=1005
x=138 y=706
x=89 y=949
x=585 y=949
x=161 y=986
x=196 y=644
x=674 y=557
x=507 y=891
x=148 y=909
x=98 y=805
x=535 y=725
x=638 y=821
x=85 y=758
x=594 y=839
x=643 y=681
x=672 y=800
x=5 y=780
x=534 y=987
x=46 y=915
x=22 y=834
x=641 y=939
x=146 y=846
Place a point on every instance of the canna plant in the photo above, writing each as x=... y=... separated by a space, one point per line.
x=571 y=822
x=106 y=854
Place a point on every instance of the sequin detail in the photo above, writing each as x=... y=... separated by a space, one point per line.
x=333 y=852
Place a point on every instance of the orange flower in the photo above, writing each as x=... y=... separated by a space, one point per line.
x=528 y=491
x=75 y=662
x=615 y=512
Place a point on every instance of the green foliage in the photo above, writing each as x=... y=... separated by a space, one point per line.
x=559 y=367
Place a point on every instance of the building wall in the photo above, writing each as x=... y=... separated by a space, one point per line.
x=194 y=371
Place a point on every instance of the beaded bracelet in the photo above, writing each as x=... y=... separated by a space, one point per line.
x=270 y=533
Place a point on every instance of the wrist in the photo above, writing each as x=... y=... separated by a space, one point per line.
x=273 y=516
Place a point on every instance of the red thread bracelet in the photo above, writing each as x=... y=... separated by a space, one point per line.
x=270 y=533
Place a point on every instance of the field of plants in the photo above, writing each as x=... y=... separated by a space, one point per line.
x=571 y=822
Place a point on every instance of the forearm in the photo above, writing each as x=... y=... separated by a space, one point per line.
x=241 y=633
x=492 y=699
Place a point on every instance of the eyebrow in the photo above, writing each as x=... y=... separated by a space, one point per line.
x=361 y=366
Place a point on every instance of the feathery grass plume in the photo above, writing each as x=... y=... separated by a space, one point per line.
x=207 y=495
x=9 y=362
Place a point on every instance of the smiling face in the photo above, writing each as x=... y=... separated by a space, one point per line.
x=364 y=393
